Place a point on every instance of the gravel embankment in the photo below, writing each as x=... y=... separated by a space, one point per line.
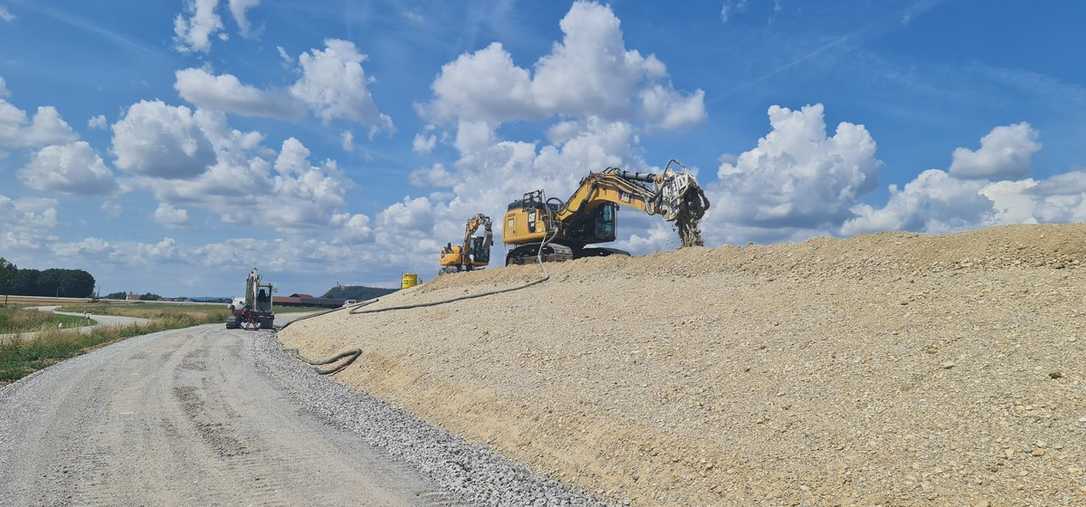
x=467 y=472
x=892 y=369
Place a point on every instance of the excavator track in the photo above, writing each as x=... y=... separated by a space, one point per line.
x=527 y=254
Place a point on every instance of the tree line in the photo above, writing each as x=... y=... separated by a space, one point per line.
x=74 y=283
x=150 y=296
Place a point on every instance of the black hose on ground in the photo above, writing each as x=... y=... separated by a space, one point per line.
x=352 y=310
x=353 y=354
x=452 y=300
x=326 y=312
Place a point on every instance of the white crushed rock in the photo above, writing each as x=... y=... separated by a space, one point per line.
x=886 y=369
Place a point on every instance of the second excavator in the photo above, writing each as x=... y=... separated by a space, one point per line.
x=565 y=230
x=475 y=251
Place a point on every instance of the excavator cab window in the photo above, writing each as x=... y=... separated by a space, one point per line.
x=479 y=252
x=605 y=222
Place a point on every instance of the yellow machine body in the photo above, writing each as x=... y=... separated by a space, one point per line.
x=590 y=215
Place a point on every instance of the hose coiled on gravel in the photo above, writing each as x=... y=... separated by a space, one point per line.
x=353 y=354
x=353 y=309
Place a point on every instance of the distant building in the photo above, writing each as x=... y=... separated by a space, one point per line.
x=131 y=296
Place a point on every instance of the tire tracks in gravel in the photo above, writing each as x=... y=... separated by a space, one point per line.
x=182 y=417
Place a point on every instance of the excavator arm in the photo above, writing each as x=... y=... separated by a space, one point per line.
x=676 y=196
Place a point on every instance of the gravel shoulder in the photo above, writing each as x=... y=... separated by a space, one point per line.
x=207 y=416
x=887 y=369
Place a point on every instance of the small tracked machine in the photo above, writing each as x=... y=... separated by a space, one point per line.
x=254 y=310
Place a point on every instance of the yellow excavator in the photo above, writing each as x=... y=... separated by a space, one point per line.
x=565 y=229
x=475 y=251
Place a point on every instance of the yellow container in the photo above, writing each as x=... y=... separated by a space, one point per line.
x=409 y=280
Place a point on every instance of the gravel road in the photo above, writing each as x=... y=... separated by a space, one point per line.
x=183 y=417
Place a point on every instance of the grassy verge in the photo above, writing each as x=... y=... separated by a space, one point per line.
x=19 y=358
x=204 y=313
x=22 y=320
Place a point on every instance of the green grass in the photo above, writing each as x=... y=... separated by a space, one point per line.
x=21 y=357
x=21 y=320
x=200 y=312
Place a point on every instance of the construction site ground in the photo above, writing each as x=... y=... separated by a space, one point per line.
x=892 y=369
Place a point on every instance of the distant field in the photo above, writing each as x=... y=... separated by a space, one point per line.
x=19 y=358
x=20 y=320
x=149 y=310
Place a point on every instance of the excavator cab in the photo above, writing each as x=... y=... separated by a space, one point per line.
x=480 y=251
x=605 y=222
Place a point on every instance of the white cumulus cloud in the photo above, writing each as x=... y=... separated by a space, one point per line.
x=797 y=177
x=346 y=140
x=45 y=128
x=166 y=214
x=335 y=86
x=248 y=183
x=588 y=73
x=240 y=9
x=25 y=223
x=332 y=86
x=193 y=33
x=934 y=202
x=159 y=140
x=983 y=187
x=423 y=143
x=226 y=93
x=98 y=122
x=71 y=168
x=1004 y=153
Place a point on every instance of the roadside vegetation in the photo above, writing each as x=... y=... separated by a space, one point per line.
x=199 y=312
x=22 y=320
x=20 y=357
x=215 y=312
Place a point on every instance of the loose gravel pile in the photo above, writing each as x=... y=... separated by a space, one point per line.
x=888 y=369
x=467 y=473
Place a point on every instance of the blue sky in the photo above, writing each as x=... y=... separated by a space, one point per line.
x=221 y=138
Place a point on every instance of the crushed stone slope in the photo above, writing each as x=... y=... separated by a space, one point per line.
x=885 y=369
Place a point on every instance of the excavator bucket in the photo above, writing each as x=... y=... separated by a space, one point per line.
x=681 y=200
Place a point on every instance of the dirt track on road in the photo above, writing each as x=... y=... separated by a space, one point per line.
x=181 y=417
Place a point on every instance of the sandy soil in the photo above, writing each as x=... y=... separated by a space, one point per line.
x=888 y=369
